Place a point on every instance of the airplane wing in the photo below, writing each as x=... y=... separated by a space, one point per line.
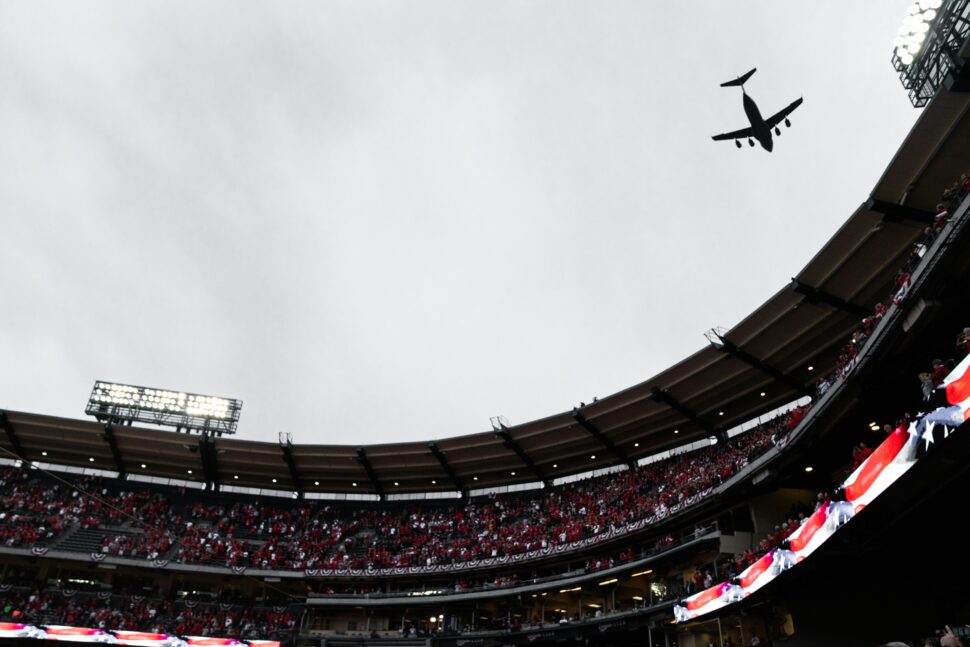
x=777 y=118
x=737 y=134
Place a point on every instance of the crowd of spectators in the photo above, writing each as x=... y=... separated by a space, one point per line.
x=949 y=200
x=138 y=613
x=285 y=535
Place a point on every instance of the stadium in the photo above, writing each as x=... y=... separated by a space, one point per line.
x=797 y=481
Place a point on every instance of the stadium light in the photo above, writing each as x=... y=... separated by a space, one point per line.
x=930 y=33
x=111 y=401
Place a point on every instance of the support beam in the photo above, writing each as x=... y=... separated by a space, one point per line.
x=287 y=448
x=661 y=395
x=440 y=455
x=18 y=449
x=210 y=462
x=606 y=442
x=109 y=438
x=728 y=347
x=815 y=295
x=503 y=433
x=362 y=459
x=892 y=212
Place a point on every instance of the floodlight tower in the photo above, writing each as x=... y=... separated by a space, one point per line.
x=931 y=49
x=123 y=404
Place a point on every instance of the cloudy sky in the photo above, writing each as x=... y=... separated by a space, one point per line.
x=380 y=221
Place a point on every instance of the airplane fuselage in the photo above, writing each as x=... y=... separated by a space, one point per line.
x=759 y=128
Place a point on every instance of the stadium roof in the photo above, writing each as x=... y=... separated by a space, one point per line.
x=777 y=351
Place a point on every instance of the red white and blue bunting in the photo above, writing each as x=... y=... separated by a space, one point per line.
x=896 y=455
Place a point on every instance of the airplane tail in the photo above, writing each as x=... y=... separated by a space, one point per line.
x=740 y=80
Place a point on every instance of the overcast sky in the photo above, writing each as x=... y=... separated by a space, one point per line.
x=382 y=221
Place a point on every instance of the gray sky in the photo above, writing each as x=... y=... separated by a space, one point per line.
x=381 y=221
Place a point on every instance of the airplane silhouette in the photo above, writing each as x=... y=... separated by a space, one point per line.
x=760 y=128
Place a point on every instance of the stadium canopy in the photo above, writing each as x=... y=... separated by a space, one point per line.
x=769 y=359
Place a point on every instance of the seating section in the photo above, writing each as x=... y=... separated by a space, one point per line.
x=197 y=528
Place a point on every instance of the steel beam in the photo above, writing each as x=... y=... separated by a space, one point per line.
x=660 y=395
x=892 y=212
x=606 y=442
x=210 y=462
x=291 y=464
x=815 y=295
x=376 y=482
x=109 y=438
x=731 y=349
x=440 y=455
x=12 y=436
x=503 y=433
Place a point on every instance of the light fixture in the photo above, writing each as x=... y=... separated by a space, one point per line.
x=593 y=457
x=636 y=444
x=396 y=483
x=720 y=413
x=474 y=478
x=43 y=453
x=811 y=368
x=808 y=468
x=434 y=482
x=189 y=471
x=646 y=572
x=91 y=460
x=676 y=431
x=316 y=482
x=638 y=598
x=513 y=473
x=235 y=477
x=612 y=581
x=762 y=394
x=143 y=466
x=274 y=480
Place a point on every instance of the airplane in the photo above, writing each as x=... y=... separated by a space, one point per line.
x=760 y=128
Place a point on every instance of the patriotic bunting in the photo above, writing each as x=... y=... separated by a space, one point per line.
x=893 y=458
